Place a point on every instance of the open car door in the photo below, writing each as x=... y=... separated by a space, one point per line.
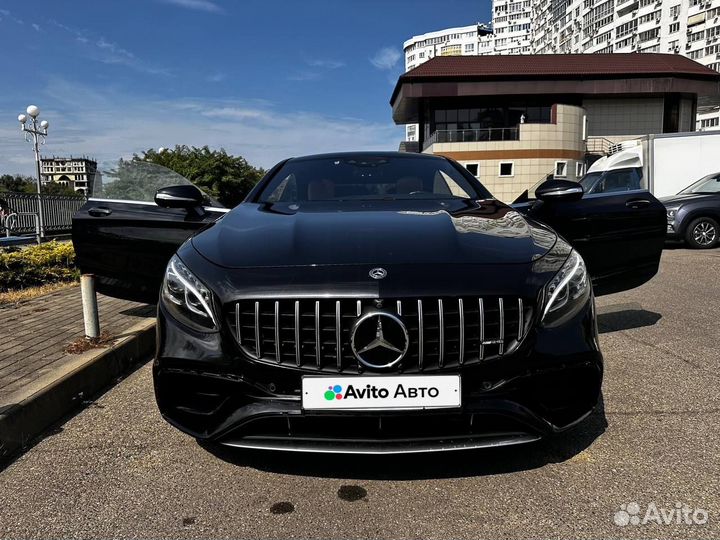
x=137 y=217
x=619 y=234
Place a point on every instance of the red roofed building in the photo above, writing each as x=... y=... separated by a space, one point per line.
x=514 y=119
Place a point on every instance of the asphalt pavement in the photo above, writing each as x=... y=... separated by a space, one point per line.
x=117 y=469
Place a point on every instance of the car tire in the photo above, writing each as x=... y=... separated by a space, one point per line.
x=702 y=233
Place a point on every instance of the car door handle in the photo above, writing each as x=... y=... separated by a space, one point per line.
x=637 y=203
x=100 y=211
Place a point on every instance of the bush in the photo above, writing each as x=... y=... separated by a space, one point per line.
x=52 y=262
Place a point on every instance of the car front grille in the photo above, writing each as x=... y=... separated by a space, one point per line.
x=314 y=334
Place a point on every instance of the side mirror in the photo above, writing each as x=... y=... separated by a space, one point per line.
x=185 y=196
x=559 y=190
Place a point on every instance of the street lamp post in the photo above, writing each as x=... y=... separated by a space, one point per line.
x=36 y=132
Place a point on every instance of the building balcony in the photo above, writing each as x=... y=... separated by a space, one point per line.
x=473 y=135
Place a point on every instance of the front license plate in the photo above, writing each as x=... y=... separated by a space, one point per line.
x=381 y=393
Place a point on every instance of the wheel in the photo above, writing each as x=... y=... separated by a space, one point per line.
x=702 y=233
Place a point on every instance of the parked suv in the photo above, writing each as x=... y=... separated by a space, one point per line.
x=694 y=213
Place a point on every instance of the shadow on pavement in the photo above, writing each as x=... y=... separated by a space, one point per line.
x=456 y=464
x=625 y=317
x=148 y=310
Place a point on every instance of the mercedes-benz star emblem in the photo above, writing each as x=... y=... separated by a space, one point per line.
x=379 y=339
x=378 y=273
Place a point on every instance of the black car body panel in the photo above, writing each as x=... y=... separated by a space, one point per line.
x=618 y=234
x=288 y=283
x=374 y=232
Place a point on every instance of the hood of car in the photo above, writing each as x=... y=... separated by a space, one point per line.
x=374 y=233
x=677 y=200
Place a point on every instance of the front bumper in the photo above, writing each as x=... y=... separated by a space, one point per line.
x=672 y=231
x=207 y=389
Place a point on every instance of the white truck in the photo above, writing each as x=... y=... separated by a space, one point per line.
x=664 y=164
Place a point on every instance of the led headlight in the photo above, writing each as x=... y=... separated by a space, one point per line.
x=187 y=299
x=671 y=212
x=567 y=291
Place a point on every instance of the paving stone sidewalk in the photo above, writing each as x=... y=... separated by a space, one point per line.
x=35 y=334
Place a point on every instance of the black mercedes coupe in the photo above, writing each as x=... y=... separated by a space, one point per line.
x=369 y=302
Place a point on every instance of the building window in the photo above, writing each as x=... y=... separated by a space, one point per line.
x=674 y=27
x=709 y=122
x=579 y=169
x=469 y=48
x=675 y=11
x=506 y=168
x=561 y=169
x=472 y=169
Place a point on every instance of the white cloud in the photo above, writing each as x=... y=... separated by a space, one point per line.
x=197 y=5
x=325 y=63
x=216 y=77
x=107 y=52
x=115 y=125
x=386 y=58
x=36 y=27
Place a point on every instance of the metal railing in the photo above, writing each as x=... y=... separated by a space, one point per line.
x=473 y=135
x=58 y=212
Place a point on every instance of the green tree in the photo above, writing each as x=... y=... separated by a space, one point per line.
x=53 y=188
x=17 y=183
x=226 y=177
x=25 y=184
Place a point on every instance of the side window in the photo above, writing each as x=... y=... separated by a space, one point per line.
x=616 y=181
x=444 y=185
x=286 y=191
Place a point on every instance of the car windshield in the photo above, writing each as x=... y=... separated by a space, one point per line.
x=370 y=178
x=589 y=180
x=708 y=184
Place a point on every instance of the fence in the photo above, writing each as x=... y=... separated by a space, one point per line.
x=58 y=212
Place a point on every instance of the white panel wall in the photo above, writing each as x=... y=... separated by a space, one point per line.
x=680 y=161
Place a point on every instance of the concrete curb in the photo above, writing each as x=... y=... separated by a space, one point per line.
x=23 y=416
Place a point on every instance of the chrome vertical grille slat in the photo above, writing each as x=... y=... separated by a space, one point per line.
x=317 y=334
x=461 y=314
x=441 y=323
x=501 y=307
x=277 y=331
x=238 y=335
x=313 y=334
x=521 y=319
x=338 y=334
x=481 y=329
x=298 y=343
x=258 y=341
x=421 y=335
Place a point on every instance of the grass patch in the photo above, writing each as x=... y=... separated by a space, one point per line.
x=23 y=295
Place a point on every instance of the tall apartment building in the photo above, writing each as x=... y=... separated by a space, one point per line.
x=75 y=172
x=511 y=24
x=476 y=39
x=687 y=27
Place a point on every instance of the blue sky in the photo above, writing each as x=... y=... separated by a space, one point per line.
x=265 y=79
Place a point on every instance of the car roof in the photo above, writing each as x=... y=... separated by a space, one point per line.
x=367 y=154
